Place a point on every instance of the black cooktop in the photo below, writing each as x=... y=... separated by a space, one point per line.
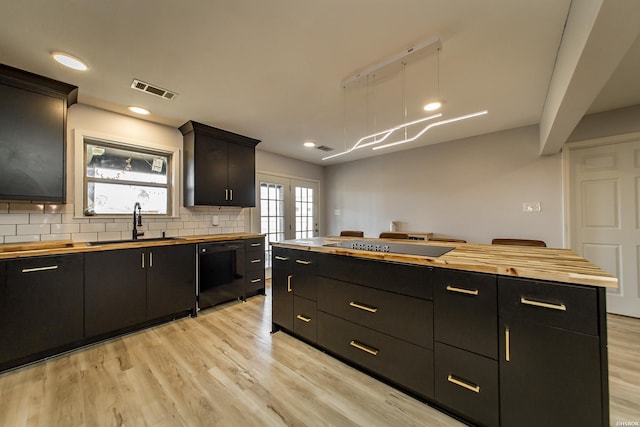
x=396 y=248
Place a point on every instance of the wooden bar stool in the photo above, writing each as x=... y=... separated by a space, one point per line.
x=519 y=242
x=352 y=233
x=393 y=235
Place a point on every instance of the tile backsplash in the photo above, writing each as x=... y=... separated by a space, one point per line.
x=31 y=222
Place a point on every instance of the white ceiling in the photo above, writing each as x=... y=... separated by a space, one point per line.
x=272 y=69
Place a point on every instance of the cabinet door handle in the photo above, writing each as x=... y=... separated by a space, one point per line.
x=150 y=259
x=256 y=280
x=463 y=384
x=282 y=258
x=301 y=261
x=34 y=269
x=231 y=192
x=255 y=261
x=226 y=194
x=143 y=260
x=363 y=347
x=289 y=277
x=304 y=319
x=256 y=244
x=560 y=307
x=363 y=307
x=507 y=344
x=474 y=292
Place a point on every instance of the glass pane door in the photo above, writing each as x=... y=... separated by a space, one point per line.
x=306 y=209
x=272 y=206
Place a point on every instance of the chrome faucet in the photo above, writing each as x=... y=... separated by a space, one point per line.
x=137 y=222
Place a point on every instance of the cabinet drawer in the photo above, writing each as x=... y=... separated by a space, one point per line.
x=412 y=280
x=254 y=261
x=255 y=244
x=304 y=318
x=401 y=316
x=304 y=280
x=467 y=384
x=254 y=283
x=465 y=311
x=558 y=305
x=405 y=364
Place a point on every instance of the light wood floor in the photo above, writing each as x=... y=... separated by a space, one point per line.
x=225 y=368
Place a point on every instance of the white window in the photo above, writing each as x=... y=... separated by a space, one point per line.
x=112 y=175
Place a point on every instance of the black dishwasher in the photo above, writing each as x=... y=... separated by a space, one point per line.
x=220 y=272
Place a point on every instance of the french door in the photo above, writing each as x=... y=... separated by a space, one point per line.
x=288 y=209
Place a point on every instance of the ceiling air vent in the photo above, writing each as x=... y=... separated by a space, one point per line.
x=153 y=90
x=324 y=148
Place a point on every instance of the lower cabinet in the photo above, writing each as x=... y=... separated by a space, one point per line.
x=553 y=357
x=467 y=384
x=254 y=267
x=126 y=287
x=398 y=361
x=115 y=290
x=281 y=290
x=41 y=306
x=305 y=322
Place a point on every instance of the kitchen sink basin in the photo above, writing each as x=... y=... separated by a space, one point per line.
x=114 y=242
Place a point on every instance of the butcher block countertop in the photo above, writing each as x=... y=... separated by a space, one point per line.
x=559 y=265
x=57 y=247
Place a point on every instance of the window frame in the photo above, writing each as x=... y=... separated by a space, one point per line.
x=81 y=137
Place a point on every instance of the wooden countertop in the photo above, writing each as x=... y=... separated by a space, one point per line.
x=57 y=247
x=559 y=265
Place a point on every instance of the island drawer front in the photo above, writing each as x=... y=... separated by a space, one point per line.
x=405 y=364
x=305 y=319
x=467 y=383
x=558 y=305
x=304 y=280
x=403 y=317
x=412 y=280
x=466 y=311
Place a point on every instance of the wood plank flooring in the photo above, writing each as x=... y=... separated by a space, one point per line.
x=224 y=368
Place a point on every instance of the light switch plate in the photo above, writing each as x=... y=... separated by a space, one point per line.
x=531 y=207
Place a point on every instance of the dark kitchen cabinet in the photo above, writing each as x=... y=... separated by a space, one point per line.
x=254 y=267
x=466 y=311
x=171 y=280
x=219 y=167
x=115 y=290
x=127 y=287
x=33 y=114
x=42 y=301
x=552 y=363
x=281 y=290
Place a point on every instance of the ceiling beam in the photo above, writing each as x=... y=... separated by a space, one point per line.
x=597 y=36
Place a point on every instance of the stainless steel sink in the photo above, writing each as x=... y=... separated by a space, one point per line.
x=114 y=242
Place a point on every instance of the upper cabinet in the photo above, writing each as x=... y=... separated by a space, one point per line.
x=33 y=115
x=219 y=167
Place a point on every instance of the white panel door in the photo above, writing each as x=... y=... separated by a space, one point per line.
x=604 y=196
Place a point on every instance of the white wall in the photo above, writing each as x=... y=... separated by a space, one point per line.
x=471 y=189
x=276 y=164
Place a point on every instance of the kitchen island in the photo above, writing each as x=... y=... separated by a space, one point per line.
x=496 y=335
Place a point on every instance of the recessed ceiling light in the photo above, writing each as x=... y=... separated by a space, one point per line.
x=433 y=106
x=69 y=61
x=139 y=110
x=309 y=144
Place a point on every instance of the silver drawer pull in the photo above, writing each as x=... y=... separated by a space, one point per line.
x=256 y=244
x=363 y=307
x=256 y=280
x=303 y=318
x=462 y=291
x=301 y=261
x=255 y=261
x=31 y=270
x=364 y=348
x=454 y=380
x=560 y=307
x=282 y=258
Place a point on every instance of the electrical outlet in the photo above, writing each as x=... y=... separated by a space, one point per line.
x=531 y=207
x=337 y=212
